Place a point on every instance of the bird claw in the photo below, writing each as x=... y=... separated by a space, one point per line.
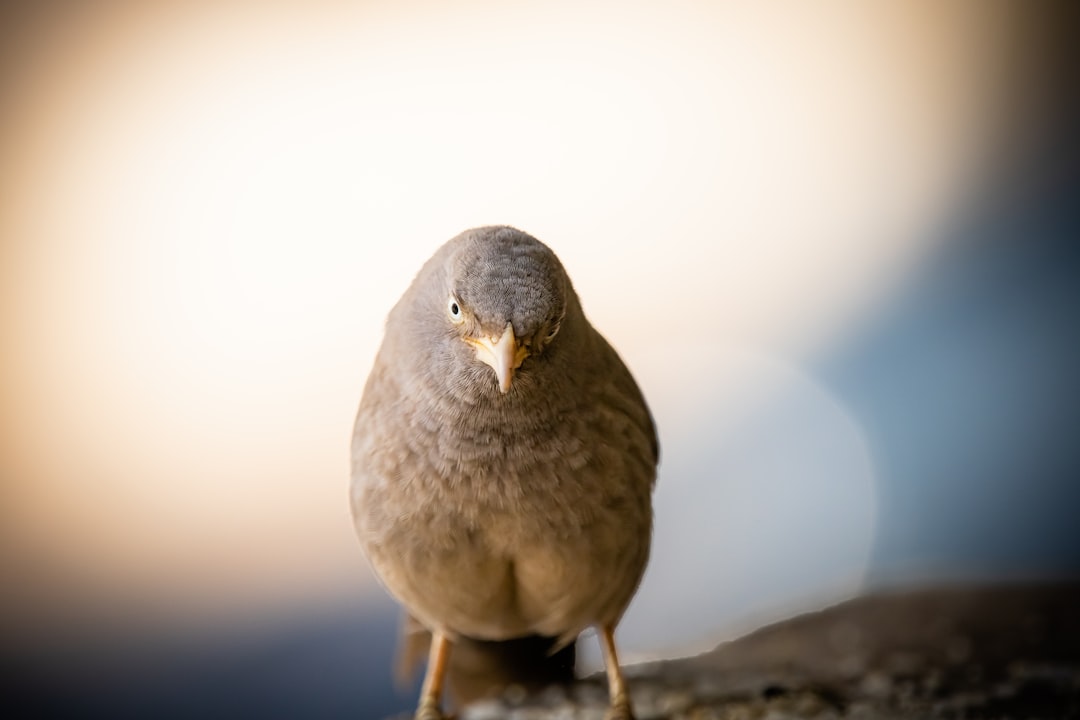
x=619 y=709
x=428 y=711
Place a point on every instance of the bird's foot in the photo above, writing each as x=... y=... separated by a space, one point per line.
x=428 y=710
x=619 y=708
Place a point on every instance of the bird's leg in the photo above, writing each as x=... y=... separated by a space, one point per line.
x=620 y=700
x=428 y=708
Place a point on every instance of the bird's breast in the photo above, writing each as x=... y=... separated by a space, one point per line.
x=499 y=510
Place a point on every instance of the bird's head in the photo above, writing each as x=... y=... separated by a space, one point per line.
x=506 y=298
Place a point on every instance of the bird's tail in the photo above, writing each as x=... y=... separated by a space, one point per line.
x=482 y=668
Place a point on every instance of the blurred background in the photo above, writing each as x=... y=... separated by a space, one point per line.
x=857 y=218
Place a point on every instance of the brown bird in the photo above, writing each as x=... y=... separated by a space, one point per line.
x=503 y=460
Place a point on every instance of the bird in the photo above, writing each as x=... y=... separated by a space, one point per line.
x=503 y=461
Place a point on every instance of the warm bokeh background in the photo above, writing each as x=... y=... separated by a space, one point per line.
x=832 y=239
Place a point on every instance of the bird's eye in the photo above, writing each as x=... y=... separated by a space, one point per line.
x=453 y=309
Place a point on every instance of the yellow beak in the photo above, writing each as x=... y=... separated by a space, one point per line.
x=502 y=354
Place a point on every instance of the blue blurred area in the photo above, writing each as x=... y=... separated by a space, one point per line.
x=335 y=666
x=967 y=383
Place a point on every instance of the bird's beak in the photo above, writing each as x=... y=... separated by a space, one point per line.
x=503 y=354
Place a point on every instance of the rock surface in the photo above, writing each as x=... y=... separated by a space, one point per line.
x=996 y=652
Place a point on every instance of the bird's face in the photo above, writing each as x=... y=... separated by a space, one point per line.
x=505 y=301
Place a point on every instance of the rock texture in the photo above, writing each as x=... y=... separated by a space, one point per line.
x=995 y=652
